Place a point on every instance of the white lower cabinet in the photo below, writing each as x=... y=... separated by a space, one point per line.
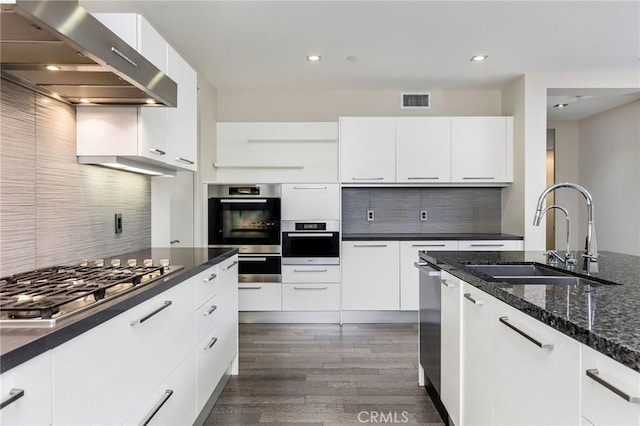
x=174 y=401
x=311 y=297
x=409 y=274
x=260 y=297
x=108 y=368
x=29 y=387
x=370 y=275
x=208 y=366
x=478 y=334
x=536 y=371
x=607 y=387
x=490 y=245
x=451 y=345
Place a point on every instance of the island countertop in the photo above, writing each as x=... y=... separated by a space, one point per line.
x=19 y=344
x=605 y=317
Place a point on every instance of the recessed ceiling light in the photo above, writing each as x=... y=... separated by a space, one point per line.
x=150 y=101
x=561 y=105
x=313 y=58
x=85 y=100
x=479 y=58
x=53 y=68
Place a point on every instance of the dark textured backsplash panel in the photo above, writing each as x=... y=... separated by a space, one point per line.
x=53 y=209
x=397 y=210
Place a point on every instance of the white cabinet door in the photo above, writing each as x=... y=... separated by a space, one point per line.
x=174 y=401
x=490 y=245
x=536 y=372
x=600 y=404
x=311 y=297
x=423 y=149
x=260 y=297
x=108 y=368
x=303 y=201
x=34 y=380
x=370 y=275
x=182 y=121
x=478 y=331
x=367 y=149
x=206 y=285
x=310 y=273
x=479 y=149
x=228 y=317
x=451 y=346
x=409 y=274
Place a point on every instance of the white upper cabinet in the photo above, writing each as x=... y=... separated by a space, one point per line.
x=165 y=135
x=368 y=152
x=481 y=149
x=182 y=130
x=310 y=201
x=423 y=149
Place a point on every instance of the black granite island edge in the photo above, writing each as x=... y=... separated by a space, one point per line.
x=424 y=237
x=609 y=323
x=18 y=345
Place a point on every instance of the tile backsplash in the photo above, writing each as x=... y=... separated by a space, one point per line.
x=53 y=210
x=397 y=210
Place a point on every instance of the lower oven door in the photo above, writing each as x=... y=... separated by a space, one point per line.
x=304 y=248
x=263 y=268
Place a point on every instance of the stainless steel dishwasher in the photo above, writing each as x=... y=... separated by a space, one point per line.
x=430 y=318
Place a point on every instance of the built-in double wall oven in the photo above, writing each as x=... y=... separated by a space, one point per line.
x=248 y=217
x=310 y=242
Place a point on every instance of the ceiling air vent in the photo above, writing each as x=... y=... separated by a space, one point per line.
x=416 y=100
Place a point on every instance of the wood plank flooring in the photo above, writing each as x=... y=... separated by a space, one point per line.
x=326 y=374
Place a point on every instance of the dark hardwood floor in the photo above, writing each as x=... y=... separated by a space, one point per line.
x=326 y=374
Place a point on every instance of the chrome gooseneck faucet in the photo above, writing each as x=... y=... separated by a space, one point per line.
x=590 y=254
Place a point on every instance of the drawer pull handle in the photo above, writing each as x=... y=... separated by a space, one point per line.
x=487 y=245
x=250 y=288
x=423 y=177
x=211 y=343
x=166 y=304
x=310 y=270
x=311 y=235
x=157 y=407
x=309 y=187
x=14 y=394
x=370 y=245
x=310 y=288
x=210 y=278
x=595 y=375
x=478 y=178
x=474 y=301
x=183 y=160
x=211 y=310
x=428 y=245
x=157 y=151
x=447 y=284
x=235 y=262
x=505 y=321
x=368 y=178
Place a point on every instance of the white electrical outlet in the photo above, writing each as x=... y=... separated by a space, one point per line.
x=423 y=215
x=370 y=216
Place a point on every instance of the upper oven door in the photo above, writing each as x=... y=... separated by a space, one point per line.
x=320 y=246
x=244 y=221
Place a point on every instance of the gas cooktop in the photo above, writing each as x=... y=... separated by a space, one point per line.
x=39 y=298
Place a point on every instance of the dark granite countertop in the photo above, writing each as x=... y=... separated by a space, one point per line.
x=422 y=237
x=605 y=317
x=18 y=345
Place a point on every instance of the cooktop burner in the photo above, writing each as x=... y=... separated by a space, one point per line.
x=55 y=292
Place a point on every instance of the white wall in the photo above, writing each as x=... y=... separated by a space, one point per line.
x=328 y=105
x=609 y=170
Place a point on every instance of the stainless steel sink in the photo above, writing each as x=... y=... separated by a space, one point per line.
x=532 y=274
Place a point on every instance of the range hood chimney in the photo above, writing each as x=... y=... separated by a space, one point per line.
x=58 y=48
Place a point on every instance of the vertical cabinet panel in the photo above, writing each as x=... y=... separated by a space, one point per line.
x=423 y=149
x=367 y=147
x=370 y=275
x=451 y=346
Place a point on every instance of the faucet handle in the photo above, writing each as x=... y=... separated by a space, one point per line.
x=553 y=257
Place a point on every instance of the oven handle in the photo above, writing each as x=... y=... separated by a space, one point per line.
x=244 y=200
x=253 y=259
x=308 y=234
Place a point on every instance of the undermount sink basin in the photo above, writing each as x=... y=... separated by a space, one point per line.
x=531 y=274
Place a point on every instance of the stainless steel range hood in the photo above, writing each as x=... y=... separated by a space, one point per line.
x=92 y=62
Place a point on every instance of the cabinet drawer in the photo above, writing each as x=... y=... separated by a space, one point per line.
x=310 y=202
x=490 y=245
x=34 y=378
x=207 y=317
x=206 y=285
x=260 y=297
x=600 y=405
x=209 y=366
x=310 y=297
x=310 y=274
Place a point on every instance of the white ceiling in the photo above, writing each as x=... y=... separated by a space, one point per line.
x=403 y=45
